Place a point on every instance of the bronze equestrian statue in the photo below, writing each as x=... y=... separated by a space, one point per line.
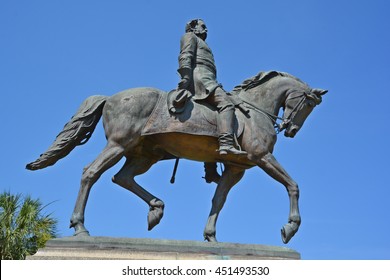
x=139 y=126
x=127 y=114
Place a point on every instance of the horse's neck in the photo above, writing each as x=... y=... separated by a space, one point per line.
x=270 y=96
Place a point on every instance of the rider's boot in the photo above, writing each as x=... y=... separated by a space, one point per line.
x=211 y=173
x=226 y=136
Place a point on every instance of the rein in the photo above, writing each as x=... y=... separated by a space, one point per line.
x=279 y=127
x=272 y=117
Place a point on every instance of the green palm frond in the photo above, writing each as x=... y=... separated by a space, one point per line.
x=24 y=228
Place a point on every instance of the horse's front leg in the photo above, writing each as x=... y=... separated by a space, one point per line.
x=230 y=177
x=272 y=167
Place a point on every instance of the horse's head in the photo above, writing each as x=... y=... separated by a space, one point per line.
x=297 y=108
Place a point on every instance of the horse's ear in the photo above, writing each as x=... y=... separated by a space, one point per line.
x=319 y=91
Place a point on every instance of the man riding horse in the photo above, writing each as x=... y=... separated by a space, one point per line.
x=198 y=75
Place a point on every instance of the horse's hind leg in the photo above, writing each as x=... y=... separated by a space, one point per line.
x=230 y=177
x=111 y=154
x=125 y=178
x=272 y=167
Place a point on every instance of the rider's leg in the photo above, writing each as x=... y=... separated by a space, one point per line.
x=225 y=122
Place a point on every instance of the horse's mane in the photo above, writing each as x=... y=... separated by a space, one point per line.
x=261 y=78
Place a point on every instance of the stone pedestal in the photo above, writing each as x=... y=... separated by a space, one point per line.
x=107 y=248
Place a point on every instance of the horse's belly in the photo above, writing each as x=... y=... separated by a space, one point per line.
x=195 y=147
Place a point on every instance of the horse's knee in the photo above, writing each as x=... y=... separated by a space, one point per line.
x=293 y=189
x=89 y=177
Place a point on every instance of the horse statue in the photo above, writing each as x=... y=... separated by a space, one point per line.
x=133 y=130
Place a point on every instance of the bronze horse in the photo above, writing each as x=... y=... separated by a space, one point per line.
x=126 y=113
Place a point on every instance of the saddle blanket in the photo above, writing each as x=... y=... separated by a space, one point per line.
x=196 y=119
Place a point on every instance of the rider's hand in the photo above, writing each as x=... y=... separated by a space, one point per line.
x=184 y=82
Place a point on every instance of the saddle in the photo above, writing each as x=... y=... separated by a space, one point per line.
x=196 y=118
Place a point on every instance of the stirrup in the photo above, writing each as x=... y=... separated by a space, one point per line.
x=231 y=150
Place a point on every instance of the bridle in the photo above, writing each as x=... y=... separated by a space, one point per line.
x=287 y=120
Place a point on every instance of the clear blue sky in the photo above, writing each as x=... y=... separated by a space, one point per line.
x=54 y=54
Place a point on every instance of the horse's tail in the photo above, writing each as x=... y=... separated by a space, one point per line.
x=76 y=132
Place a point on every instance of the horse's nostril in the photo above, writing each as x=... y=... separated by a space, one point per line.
x=294 y=131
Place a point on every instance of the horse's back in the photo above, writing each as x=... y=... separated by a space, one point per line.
x=126 y=112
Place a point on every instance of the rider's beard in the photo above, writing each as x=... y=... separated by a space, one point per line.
x=202 y=35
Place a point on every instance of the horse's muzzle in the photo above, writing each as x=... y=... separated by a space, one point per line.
x=291 y=131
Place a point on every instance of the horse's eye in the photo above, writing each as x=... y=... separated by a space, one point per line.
x=311 y=103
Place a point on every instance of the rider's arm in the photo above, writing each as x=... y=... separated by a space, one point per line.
x=188 y=45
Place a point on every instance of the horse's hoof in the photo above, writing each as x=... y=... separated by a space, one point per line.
x=210 y=238
x=79 y=228
x=288 y=231
x=156 y=212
